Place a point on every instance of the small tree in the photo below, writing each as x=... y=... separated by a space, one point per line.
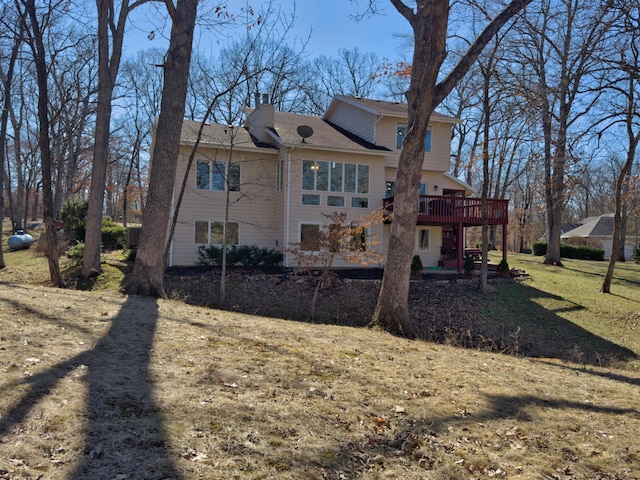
x=348 y=240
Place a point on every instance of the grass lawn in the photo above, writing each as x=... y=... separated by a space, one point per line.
x=97 y=385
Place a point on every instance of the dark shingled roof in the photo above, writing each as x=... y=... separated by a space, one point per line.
x=214 y=134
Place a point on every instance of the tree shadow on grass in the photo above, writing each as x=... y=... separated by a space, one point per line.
x=542 y=332
x=124 y=435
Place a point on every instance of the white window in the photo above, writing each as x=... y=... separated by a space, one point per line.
x=401 y=131
x=211 y=232
x=423 y=239
x=214 y=175
x=279 y=175
x=335 y=177
x=310 y=237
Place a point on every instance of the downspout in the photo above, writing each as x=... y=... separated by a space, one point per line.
x=375 y=124
x=287 y=207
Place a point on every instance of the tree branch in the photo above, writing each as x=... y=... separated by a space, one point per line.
x=462 y=67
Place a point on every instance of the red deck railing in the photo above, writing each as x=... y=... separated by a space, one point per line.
x=445 y=210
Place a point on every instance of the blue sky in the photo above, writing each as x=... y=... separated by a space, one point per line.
x=329 y=23
x=332 y=27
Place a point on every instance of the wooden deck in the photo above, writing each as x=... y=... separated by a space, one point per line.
x=444 y=210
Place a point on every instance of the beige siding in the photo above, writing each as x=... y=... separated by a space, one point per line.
x=253 y=208
x=355 y=120
x=429 y=256
x=437 y=160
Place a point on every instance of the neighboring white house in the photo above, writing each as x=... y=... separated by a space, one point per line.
x=598 y=232
x=284 y=170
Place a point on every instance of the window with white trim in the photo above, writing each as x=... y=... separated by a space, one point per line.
x=335 y=177
x=211 y=232
x=216 y=175
x=423 y=239
x=401 y=132
x=310 y=237
x=279 y=175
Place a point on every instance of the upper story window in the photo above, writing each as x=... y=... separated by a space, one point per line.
x=390 y=189
x=279 y=175
x=401 y=131
x=335 y=177
x=214 y=175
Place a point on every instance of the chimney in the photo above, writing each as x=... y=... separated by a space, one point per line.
x=261 y=118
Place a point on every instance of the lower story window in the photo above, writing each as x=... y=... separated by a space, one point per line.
x=310 y=237
x=422 y=239
x=202 y=232
x=359 y=202
x=359 y=239
x=213 y=232
x=335 y=201
x=310 y=199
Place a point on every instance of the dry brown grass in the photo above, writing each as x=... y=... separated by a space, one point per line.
x=100 y=386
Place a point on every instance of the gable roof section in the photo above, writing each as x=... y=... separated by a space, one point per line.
x=384 y=108
x=216 y=135
x=326 y=136
x=593 y=227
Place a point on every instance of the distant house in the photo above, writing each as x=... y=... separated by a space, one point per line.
x=284 y=170
x=597 y=232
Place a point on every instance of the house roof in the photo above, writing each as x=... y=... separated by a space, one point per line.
x=392 y=109
x=593 y=227
x=216 y=135
x=325 y=135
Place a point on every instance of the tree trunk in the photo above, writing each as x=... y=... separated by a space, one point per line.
x=148 y=270
x=429 y=27
x=37 y=46
x=429 y=22
x=108 y=66
x=617 y=217
x=4 y=120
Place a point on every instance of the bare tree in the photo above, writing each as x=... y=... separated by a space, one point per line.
x=429 y=21
x=7 y=79
x=111 y=29
x=35 y=39
x=558 y=55
x=625 y=85
x=148 y=270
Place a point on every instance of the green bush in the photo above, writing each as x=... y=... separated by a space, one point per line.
x=577 y=252
x=539 y=248
x=469 y=264
x=74 y=215
x=75 y=253
x=243 y=255
x=130 y=254
x=416 y=264
x=636 y=255
x=580 y=252
x=114 y=236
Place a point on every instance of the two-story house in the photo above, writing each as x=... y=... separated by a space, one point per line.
x=278 y=173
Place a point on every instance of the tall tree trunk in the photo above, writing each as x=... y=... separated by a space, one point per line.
x=37 y=45
x=148 y=270
x=4 y=120
x=429 y=22
x=108 y=66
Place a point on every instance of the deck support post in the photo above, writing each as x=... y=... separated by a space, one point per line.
x=460 y=246
x=504 y=242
